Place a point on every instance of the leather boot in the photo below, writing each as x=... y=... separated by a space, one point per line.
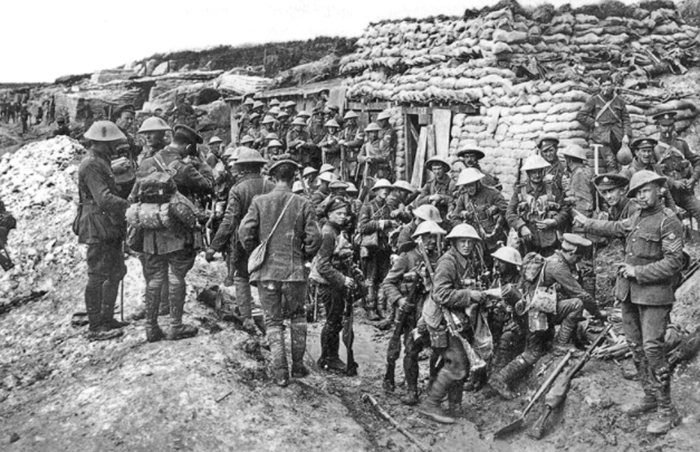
x=389 y=384
x=164 y=306
x=410 y=370
x=333 y=361
x=648 y=402
x=178 y=330
x=244 y=298
x=430 y=407
x=454 y=398
x=371 y=303
x=153 y=331
x=411 y=396
x=562 y=343
x=298 y=333
x=500 y=381
x=321 y=362
x=667 y=417
x=280 y=368
x=110 y=291
x=93 y=302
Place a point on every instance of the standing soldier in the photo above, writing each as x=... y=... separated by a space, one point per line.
x=645 y=286
x=333 y=283
x=470 y=159
x=268 y=126
x=606 y=117
x=440 y=190
x=536 y=209
x=323 y=190
x=287 y=224
x=214 y=154
x=283 y=127
x=547 y=147
x=387 y=133
x=451 y=295
x=375 y=155
x=124 y=165
x=299 y=145
x=330 y=146
x=290 y=107
x=250 y=184
x=405 y=287
x=645 y=160
x=255 y=131
x=243 y=117
x=613 y=188
x=101 y=226
x=373 y=226
x=153 y=130
x=426 y=212
x=316 y=129
x=351 y=140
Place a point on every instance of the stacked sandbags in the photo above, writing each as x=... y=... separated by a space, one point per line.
x=242 y=83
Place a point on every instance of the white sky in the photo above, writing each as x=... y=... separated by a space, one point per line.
x=47 y=39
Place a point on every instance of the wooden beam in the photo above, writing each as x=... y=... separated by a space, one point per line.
x=442 y=120
x=419 y=163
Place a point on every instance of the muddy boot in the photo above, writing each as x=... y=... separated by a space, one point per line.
x=322 y=360
x=430 y=407
x=667 y=417
x=477 y=380
x=153 y=331
x=648 y=402
x=389 y=384
x=280 y=368
x=103 y=333
x=298 y=333
x=411 y=396
x=110 y=291
x=179 y=330
x=410 y=370
x=371 y=304
x=454 y=398
x=562 y=343
x=333 y=361
x=500 y=381
x=244 y=298
x=164 y=306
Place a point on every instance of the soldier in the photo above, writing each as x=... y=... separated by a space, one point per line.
x=124 y=164
x=250 y=184
x=579 y=191
x=613 y=188
x=481 y=206
x=153 y=130
x=169 y=254
x=254 y=131
x=426 y=212
x=440 y=190
x=470 y=157
x=287 y=223
x=645 y=159
x=566 y=309
x=101 y=226
x=337 y=190
x=405 y=288
x=243 y=117
x=290 y=107
x=399 y=200
x=309 y=178
x=299 y=145
x=283 y=127
x=387 y=133
x=645 y=286
x=247 y=141
x=375 y=155
x=373 y=226
x=329 y=270
x=679 y=163
x=214 y=154
x=351 y=140
x=536 y=209
x=330 y=146
x=451 y=296
x=273 y=151
x=606 y=117
x=63 y=128
x=268 y=126
x=548 y=146
x=323 y=190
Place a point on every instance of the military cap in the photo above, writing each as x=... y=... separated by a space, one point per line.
x=154 y=124
x=274 y=102
x=104 y=131
x=327 y=177
x=428 y=227
x=309 y=171
x=469 y=176
x=298 y=121
x=245 y=139
x=231 y=153
x=289 y=103
x=508 y=254
x=383 y=115
x=642 y=178
x=350 y=114
x=257 y=104
x=381 y=183
x=535 y=162
x=248 y=101
x=215 y=139
x=575 y=151
x=188 y=133
x=338 y=185
x=327 y=111
x=610 y=180
x=282 y=114
x=372 y=127
x=274 y=144
x=463 y=231
x=331 y=123
x=334 y=108
x=351 y=188
x=547 y=137
x=337 y=203
x=280 y=163
x=297 y=187
x=274 y=111
x=254 y=116
x=643 y=141
x=303 y=114
x=577 y=240
x=268 y=120
x=665 y=118
x=122 y=109
x=404 y=185
x=250 y=156
x=438 y=160
x=427 y=212
x=316 y=110
x=471 y=150
x=272 y=136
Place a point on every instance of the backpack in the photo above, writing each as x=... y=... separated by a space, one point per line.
x=157 y=187
x=532 y=266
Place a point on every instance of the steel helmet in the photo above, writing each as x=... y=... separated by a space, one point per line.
x=471 y=150
x=290 y=103
x=282 y=114
x=248 y=101
x=274 y=144
x=331 y=123
x=231 y=153
x=297 y=187
x=298 y=121
x=249 y=156
x=274 y=111
x=351 y=188
x=428 y=227
x=575 y=151
x=381 y=183
x=104 y=131
x=373 y=127
x=274 y=102
x=439 y=160
x=272 y=136
x=427 y=212
x=508 y=254
x=268 y=120
x=338 y=185
x=154 y=124
x=254 y=116
x=463 y=231
x=326 y=167
x=469 y=176
x=247 y=139
x=215 y=139
x=304 y=114
x=404 y=185
x=309 y=171
x=327 y=177
x=280 y=163
x=350 y=114
x=642 y=178
x=257 y=104
x=383 y=115
x=535 y=162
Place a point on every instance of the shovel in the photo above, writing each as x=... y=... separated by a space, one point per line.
x=516 y=424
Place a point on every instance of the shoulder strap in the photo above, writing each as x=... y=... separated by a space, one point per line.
x=607 y=106
x=272 y=231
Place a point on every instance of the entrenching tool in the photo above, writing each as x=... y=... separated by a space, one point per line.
x=516 y=424
x=557 y=394
x=382 y=412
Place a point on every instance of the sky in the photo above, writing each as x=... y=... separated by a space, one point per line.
x=47 y=39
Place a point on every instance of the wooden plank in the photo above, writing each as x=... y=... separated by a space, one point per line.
x=419 y=163
x=336 y=96
x=407 y=154
x=431 y=150
x=442 y=120
x=361 y=106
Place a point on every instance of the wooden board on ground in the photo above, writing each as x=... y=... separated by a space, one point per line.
x=442 y=119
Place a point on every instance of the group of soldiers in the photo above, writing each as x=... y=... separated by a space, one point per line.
x=306 y=209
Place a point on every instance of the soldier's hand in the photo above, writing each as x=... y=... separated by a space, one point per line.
x=626 y=271
x=403 y=304
x=209 y=254
x=477 y=296
x=547 y=223
x=579 y=217
x=434 y=198
x=525 y=233
x=687 y=184
x=350 y=283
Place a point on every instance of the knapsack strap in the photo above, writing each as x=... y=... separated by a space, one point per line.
x=279 y=218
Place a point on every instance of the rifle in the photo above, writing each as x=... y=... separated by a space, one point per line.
x=348 y=335
x=403 y=314
x=557 y=393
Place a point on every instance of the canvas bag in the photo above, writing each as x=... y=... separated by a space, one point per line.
x=544 y=299
x=257 y=257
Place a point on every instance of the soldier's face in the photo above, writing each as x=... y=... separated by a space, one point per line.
x=471 y=189
x=501 y=267
x=332 y=131
x=154 y=138
x=606 y=89
x=646 y=154
x=464 y=246
x=372 y=135
x=382 y=193
x=470 y=160
x=338 y=216
x=430 y=242
x=612 y=196
x=535 y=176
x=125 y=120
x=666 y=129
x=647 y=196
x=569 y=253
x=438 y=170
x=549 y=153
